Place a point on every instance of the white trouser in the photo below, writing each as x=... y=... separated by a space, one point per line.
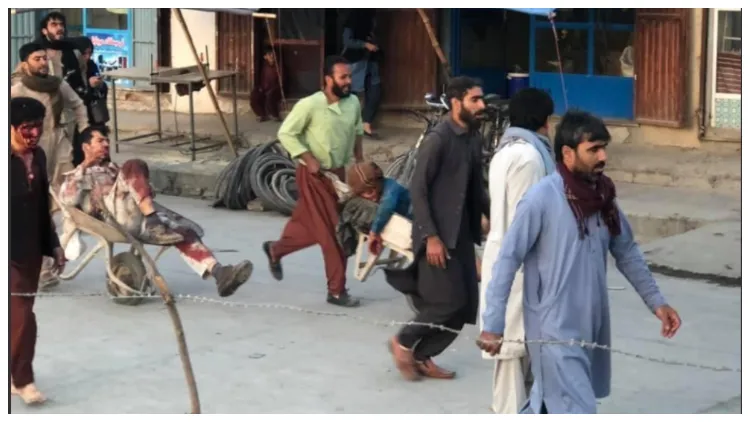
x=510 y=385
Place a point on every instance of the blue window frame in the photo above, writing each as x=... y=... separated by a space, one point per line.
x=600 y=87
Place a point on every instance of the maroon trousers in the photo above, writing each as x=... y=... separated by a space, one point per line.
x=265 y=103
x=314 y=221
x=24 y=278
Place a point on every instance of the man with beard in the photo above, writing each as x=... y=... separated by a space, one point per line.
x=321 y=132
x=127 y=195
x=56 y=96
x=32 y=236
x=562 y=230
x=448 y=202
x=522 y=159
x=61 y=53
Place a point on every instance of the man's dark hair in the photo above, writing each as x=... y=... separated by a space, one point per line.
x=578 y=126
x=87 y=134
x=51 y=16
x=331 y=62
x=25 y=110
x=267 y=49
x=25 y=51
x=530 y=108
x=459 y=86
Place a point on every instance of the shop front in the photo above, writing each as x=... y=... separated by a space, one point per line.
x=595 y=47
x=724 y=70
x=121 y=37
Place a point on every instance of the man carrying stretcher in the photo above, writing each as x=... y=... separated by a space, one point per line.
x=127 y=195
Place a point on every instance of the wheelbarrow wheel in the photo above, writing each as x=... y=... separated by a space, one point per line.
x=129 y=268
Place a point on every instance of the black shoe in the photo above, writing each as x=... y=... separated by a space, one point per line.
x=157 y=233
x=274 y=266
x=343 y=300
x=229 y=278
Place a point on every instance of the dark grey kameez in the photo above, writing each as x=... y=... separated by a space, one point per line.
x=448 y=201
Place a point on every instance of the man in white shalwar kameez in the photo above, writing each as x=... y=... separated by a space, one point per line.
x=561 y=233
x=523 y=158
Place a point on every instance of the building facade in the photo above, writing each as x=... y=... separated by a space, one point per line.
x=670 y=76
x=121 y=37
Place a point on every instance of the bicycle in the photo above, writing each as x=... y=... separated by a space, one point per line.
x=402 y=167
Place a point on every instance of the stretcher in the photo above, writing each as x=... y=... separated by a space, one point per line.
x=128 y=279
x=396 y=237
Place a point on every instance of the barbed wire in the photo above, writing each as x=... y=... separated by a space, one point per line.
x=384 y=323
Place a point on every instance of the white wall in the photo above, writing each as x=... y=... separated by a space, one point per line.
x=202 y=26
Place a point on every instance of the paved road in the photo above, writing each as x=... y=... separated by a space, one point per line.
x=97 y=357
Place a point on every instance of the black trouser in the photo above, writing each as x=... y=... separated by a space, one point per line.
x=429 y=342
x=371 y=102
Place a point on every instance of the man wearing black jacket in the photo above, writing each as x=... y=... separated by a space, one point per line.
x=61 y=52
x=32 y=237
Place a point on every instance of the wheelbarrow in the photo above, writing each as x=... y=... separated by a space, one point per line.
x=127 y=277
x=396 y=238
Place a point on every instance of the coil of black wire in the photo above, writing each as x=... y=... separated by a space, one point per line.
x=266 y=173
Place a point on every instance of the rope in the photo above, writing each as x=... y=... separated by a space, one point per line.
x=559 y=61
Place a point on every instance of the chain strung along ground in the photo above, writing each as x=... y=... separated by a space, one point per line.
x=389 y=323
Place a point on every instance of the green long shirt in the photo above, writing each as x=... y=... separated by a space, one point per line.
x=327 y=131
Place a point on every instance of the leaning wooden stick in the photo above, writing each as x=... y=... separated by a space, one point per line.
x=161 y=284
x=435 y=45
x=206 y=81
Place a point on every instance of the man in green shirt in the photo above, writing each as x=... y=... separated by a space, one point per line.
x=322 y=132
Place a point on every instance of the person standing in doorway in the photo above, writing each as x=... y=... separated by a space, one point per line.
x=266 y=96
x=362 y=50
x=522 y=159
x=561 y=233
x=32 y=237
x=322 y=131
x=448 y=200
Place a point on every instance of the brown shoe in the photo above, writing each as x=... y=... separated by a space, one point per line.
x=404 y=360
x=430 y=370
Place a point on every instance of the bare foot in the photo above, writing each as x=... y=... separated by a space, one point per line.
x=30 y=395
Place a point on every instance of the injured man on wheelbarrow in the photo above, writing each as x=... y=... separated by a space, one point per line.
x=383 y=197
x=127 y=195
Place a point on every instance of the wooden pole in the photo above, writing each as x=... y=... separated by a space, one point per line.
x=161 y=284
x=446 y=67
x=211 y=93
x=276 y=60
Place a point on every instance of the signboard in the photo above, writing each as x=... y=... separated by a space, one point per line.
x=112 y=51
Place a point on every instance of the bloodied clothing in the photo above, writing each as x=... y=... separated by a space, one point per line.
x=121 y=191
x=564 y=294
x=31 y=237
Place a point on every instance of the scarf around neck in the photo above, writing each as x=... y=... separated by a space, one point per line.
x=48 y=85
x=540 y=142
x=586 y=200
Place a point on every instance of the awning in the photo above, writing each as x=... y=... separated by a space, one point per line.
x=249 y=11
x=538 y=12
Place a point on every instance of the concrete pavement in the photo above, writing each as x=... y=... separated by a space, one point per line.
x=97 y=357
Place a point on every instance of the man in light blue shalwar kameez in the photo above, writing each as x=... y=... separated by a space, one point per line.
x=561 y=233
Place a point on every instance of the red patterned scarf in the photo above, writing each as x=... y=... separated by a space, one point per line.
x=586 y=200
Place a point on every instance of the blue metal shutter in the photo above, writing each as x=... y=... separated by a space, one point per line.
x=145 y=41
